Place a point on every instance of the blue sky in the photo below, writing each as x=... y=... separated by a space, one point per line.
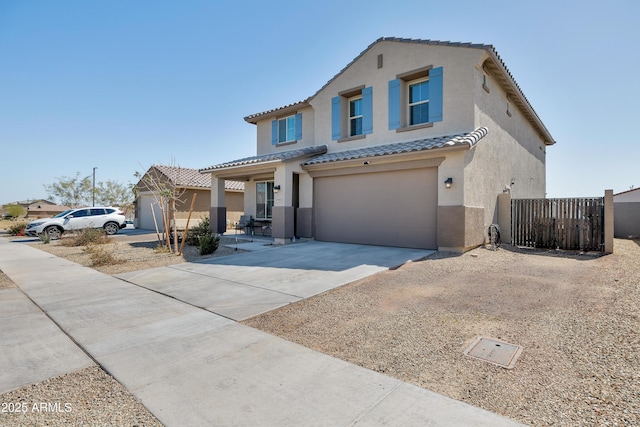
x=120 y=85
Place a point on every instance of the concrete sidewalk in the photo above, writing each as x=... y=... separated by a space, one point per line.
x=189 y=366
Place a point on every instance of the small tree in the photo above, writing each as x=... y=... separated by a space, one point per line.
x=166 y=195
x=14 y=211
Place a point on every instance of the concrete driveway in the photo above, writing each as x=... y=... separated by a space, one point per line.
x=189 y=366
x=248 y=284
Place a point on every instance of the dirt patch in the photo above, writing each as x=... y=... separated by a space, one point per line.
x=575 y=316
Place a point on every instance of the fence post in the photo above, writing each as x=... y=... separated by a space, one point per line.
x=608 y=221
x=504 y=216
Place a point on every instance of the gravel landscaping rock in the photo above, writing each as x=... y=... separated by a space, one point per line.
x=88 y=397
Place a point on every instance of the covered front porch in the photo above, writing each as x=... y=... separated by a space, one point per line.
x=278 y=192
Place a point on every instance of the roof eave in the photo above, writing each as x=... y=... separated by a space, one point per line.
x=256 y=165
x=513 y=89
x=276 y=112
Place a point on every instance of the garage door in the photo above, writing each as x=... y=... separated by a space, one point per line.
x=394 y=208
x=145 y=216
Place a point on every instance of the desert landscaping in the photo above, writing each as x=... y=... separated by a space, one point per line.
x=576 y=316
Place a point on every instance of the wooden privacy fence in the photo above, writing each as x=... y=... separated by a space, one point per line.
x=573 y=224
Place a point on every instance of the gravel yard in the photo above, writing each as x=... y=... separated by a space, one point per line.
x=88 y=397
x=575 y=315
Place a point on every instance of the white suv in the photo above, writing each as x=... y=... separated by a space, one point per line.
x=110 y=219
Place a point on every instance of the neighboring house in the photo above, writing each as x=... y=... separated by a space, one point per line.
x=409 y=145
x=626 y=213
x=41 y=208
x=188 y=182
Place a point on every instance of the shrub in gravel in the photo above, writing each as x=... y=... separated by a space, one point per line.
x=100 y=256
x=208 y=243
x=87 y=236
x=195 y=233
x=17 y=229
x=162 y=249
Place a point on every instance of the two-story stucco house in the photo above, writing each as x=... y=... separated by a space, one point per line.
x=409 y=145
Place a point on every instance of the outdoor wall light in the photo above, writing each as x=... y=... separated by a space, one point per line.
x=276 y=188
x=448 y=182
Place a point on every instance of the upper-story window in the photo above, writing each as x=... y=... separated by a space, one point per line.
x=352 y=113
x=355 y=116
x=415 y=99
x=419 y=102
x=287 y=129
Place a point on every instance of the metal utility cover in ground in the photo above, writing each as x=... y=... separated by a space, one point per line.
x=493 y=351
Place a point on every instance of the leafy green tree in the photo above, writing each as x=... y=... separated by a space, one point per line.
x=114 y=193
x=14 y=211
x=74 y=192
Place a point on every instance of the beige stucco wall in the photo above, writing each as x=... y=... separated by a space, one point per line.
x=250 y=198
x=487 y=169
x=452 y=167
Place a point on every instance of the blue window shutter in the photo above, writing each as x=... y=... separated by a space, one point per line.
x=367 y=110
x=298 y=127
x=274 y=132
x=394 y=104
x=435 y=95
x=335 y=118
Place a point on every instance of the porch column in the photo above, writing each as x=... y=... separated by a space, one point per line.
x=218 y=211
x=282 y=227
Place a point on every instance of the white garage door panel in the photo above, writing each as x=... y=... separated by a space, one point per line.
x=396 y=208
x=145 y=221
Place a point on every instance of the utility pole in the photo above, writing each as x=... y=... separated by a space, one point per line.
x=93 y=188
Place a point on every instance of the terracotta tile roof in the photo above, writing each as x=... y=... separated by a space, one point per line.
x=470 y=139
x=186 y=177
x=282 y=156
